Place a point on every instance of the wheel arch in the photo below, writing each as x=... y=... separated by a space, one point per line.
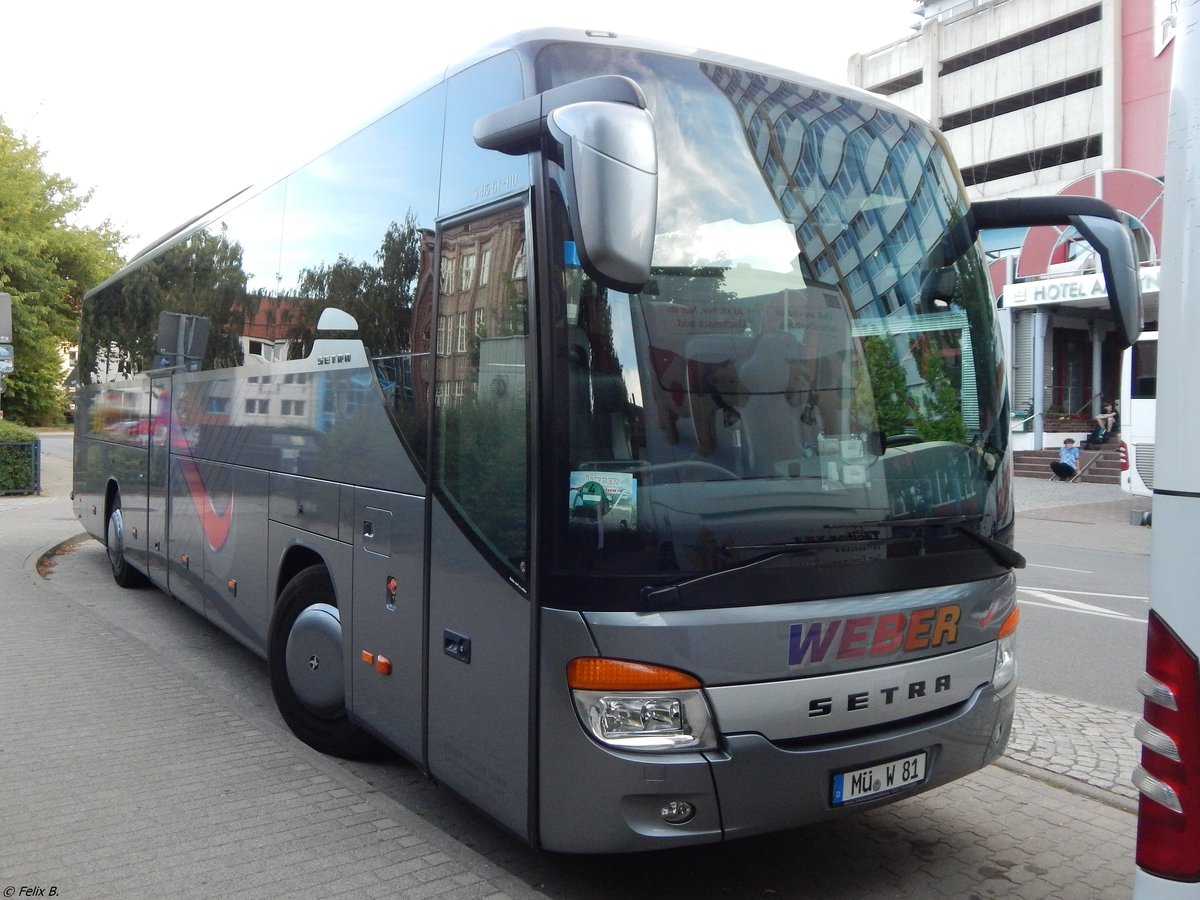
x=111 y=492
x=314 y=577
x=295 y=560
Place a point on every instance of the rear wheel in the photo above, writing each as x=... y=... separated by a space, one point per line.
x=306 y=663
x=124 y=574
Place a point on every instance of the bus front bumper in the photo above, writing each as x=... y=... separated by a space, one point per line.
x=766 y=787
x=621 y=802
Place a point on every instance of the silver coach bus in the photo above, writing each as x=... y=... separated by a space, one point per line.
x=619 y=432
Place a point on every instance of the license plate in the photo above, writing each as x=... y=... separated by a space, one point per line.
x=881 y=778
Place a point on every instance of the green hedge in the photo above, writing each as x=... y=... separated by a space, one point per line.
x=16 y=463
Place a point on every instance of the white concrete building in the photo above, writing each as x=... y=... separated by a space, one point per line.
x=1046 y=97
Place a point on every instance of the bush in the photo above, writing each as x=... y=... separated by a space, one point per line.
x=16 y=463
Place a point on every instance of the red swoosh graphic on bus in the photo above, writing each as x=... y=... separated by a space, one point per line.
x=215 y=524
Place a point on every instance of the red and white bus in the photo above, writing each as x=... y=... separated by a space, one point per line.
x=1168 y=839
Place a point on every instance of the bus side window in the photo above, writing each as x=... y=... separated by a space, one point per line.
x=218 y=265
x=1144 y=384
x=480 y=390
x=472 y=176
x=358 y=235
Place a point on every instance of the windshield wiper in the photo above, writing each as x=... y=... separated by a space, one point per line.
x=788 y=547
x=1002 y=553
x=859 y=533
x=758 y=577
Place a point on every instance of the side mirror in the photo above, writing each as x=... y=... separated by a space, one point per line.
x=1100 y=225
x=1113 y=243
x=610 y=157
x=937 y=287
x=611 y=161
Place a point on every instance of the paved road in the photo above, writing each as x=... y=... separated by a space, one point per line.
x=136 y=763
x=1089 y=743
x=1084 y=608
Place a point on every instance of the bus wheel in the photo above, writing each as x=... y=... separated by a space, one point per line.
x=306 y=662
x=114 y=539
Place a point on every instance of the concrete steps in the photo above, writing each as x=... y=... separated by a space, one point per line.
x=1101 y=466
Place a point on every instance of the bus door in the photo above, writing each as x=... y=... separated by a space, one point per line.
x=479 y=611
x=1139 y=390
x=129 y=464
x=157 y=472
x=388 y=617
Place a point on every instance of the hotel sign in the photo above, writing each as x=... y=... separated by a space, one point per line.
x=1081 y=290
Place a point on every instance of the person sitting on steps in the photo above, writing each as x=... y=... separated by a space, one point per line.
x=1106 y=424
x=1068 y=461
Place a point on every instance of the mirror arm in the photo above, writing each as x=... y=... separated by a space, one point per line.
x=1089 y=216
x=518 y=129
x=1022 y=212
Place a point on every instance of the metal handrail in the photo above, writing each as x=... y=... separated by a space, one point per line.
x=1020 y=423
x=1096 y=454
x=1070 y=415
x=1090 y=400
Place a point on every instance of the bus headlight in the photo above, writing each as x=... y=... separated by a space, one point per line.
x=1006 y=652
x=638 y=706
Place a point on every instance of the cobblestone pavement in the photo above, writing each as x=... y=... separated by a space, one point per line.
x=1093 y=745
x=122 y=775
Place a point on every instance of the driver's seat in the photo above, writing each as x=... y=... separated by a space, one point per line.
x=770 y=415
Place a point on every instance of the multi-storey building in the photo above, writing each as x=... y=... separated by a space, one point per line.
x=1045 y=97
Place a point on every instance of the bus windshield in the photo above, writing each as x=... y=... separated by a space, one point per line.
x=812 y=365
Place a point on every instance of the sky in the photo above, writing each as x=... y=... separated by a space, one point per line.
x=163 y=110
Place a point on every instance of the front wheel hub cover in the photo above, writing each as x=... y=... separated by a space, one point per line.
x=314 y=660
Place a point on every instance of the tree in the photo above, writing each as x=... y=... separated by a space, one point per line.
x=46 y=263
x=380 y=297
x=940 y=415
x=881 y=400
x=200 y=276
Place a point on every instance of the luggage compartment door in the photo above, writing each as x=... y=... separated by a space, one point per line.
x=387 y=620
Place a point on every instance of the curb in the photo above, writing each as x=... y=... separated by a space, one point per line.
x=1066 y=783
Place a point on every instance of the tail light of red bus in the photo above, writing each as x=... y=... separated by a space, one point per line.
x=1168 y=838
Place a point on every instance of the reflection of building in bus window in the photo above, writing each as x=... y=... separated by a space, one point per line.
x=480 y=385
